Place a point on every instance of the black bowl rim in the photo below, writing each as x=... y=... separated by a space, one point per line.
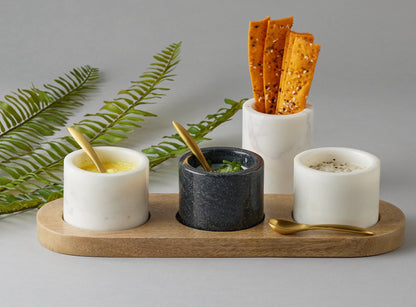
x=183 y=162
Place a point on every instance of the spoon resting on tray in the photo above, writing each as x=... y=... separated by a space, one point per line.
x=287 y=227
x=86 y=146
x=193 y=146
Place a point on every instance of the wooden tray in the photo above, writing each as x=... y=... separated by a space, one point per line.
x=164 y=236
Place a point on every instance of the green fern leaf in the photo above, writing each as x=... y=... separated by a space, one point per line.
x=27 y=116
x=10 y=203
x=101 y=128
x=156 y=154
x=167 y=149
x=33 y=178
x=123 y=109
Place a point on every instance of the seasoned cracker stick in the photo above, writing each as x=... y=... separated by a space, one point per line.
x=272 y=60
x=289 y=41
x=298 y=76
x=256 y=37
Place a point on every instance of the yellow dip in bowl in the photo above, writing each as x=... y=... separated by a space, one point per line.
x=110 y=166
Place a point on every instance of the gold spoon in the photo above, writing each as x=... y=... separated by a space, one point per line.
x=287 y=227
x=82 y=141
x=193 y=146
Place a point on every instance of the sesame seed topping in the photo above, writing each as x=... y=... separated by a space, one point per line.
x=335 y=167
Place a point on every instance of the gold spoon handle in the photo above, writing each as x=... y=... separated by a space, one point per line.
x=83 y=142
x=193 y=146
x=346 y=228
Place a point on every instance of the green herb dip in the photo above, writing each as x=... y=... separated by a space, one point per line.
x=229 y=167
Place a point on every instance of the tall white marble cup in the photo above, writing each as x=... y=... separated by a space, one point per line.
x=106 y=201
x=350 y=198
x=277 y=139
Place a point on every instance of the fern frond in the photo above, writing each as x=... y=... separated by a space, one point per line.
x=34 y=177
x=27 y=116
x=118 y=117
x=121 y=116
x=176 y=146
x=156 y=154
x=10 y=203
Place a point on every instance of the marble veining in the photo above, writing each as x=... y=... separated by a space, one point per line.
x=221 y=201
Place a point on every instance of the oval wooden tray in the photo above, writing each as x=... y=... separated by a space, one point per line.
x=164 y=236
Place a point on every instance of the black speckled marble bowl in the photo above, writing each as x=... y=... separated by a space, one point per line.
x=221 y=201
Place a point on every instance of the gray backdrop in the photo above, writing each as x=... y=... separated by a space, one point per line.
x=363 y=95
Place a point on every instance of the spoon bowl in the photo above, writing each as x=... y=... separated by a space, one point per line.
x=193 y=146
x=287 y=227
x=86 y=146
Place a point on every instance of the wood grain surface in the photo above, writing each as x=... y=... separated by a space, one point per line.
x=164 y=236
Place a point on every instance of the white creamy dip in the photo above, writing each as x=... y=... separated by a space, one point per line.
x=335 y=166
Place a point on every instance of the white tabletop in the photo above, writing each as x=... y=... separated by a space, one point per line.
x=363 y=96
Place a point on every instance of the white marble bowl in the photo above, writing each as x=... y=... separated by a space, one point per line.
x=106 y=201
x=322 y=197
x=277 y=139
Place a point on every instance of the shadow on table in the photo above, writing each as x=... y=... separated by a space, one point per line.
x=409 y=244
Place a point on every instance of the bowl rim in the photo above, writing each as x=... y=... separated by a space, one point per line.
x=248 y=106
x=142 y=159
x=183 y=162
x=373 y=164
